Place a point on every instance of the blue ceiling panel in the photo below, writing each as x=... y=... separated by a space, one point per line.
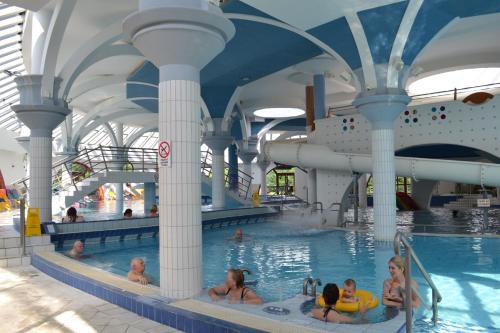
x=256 y=50
x=435 y=15
x=216 y=98
x=256 y=127
x=296 y=124
x=337 y=34
x=238 y=7
x=147 y=73
x=381 y=24
x=236 y=131
x=148 y=104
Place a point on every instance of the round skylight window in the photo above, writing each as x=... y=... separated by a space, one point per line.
x=279 y=112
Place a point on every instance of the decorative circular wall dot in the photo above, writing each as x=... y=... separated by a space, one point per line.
x=442 y=108
x=407 y=121
x=434 y=117
x=443 y=116
x=414 y=111
x=351 y=120
x=434 y=109
x=415 y=120
x=407 y=112
x=352 y=127
x=344 y=120
x=345 y=128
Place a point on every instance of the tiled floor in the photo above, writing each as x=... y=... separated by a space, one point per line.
x=33 y=302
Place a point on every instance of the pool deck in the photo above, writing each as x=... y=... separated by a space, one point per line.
x=191 y=313
x=34 y=302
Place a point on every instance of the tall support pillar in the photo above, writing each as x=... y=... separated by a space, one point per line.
x=218 y=144
x=41 y=117
x=312 y=195
x=233 y=168
x=119 y=166
x=149 y=197
x=381 y=111
x=362 y=182
x=199 y=32
x=263 y=165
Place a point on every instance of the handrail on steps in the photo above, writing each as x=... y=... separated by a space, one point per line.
x=399 y=239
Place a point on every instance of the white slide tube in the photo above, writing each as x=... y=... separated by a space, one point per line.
x=321 y=157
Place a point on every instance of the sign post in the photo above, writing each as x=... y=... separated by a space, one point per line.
x=164 y=154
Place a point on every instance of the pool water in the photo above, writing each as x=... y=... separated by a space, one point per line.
x=280 y=255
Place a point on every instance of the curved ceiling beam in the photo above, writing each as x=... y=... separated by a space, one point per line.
x=400 y=42
x=97 y=83
x=105 y=37
x=113 y=116
x=108 y=104
x=226 y=121
x=52 y=46
x=269 y=126
x=206 y=119
x=302 y=33
x=134 y=137
x=111 y=134
x=103 y=52
x=365 y=54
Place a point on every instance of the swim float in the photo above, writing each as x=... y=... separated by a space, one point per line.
x=364 y=297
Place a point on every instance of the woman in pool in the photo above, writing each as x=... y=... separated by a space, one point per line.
x=72 y=216
x=234 y=289
x=331 y=295
x=394 y=288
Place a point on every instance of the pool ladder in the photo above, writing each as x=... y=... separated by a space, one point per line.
x=314 y=284
x=410 y=255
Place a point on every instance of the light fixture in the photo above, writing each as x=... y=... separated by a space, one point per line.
x=279 y=112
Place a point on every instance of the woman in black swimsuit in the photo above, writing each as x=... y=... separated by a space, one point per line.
x=328 y=313
x=234 y=289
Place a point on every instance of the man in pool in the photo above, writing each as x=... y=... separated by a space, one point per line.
x=76 y=251
x=128 y=213
x=136 y=273
x=238 y=235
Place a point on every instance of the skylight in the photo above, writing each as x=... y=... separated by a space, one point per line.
x=279 y=112
x=463 y=78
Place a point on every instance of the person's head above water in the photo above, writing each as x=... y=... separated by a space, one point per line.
x=127 y=213
x=236 y=277
x=349 y=288
x=238 y=234
x=71 y=213
x=137 y=265
x=396 y=266
x=78 y=247
x=331 y=294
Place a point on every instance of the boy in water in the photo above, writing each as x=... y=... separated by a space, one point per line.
x=348 y=295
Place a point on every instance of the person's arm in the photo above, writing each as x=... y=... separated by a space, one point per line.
x=334 y=316
x=387 y=298
x=216 y=291
x=414 y=297
x=348 y=300
x=251 y=298
x=137 y=278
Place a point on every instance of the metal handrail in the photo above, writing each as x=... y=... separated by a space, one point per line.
x=244 y=179
x=314 y=204
x=399 y=239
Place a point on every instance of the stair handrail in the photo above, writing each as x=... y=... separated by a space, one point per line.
x=410 y=254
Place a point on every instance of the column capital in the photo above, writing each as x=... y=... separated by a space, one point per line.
x=247 y=156
x=263 y=164
x=218 y=143
x=198 y=30
x=381 y=110
x=41 y=119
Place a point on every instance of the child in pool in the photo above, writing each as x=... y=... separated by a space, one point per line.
x=348 y=295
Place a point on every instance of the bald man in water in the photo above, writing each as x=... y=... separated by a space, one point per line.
x=77 y=251
x=136 y=273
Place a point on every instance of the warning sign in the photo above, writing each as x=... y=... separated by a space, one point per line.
x=164 y=154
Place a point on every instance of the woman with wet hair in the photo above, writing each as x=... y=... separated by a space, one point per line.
x=234 y=289
x=394 y=288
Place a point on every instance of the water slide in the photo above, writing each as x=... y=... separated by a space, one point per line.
x=321 y=157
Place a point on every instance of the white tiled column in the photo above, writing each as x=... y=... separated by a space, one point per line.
x=381 y=110
x=119 y=166
x=362 y=191
x=263 y=183
x=180 y=187
x=384 y=185
x=311 y=186
x=40 y=187
x=247 y=168
x=218 y=181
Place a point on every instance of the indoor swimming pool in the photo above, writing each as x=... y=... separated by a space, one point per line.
x=280 y=255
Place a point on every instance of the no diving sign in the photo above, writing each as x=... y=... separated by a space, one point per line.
x=164 y=154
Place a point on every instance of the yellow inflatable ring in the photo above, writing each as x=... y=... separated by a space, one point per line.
x=364 y=297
